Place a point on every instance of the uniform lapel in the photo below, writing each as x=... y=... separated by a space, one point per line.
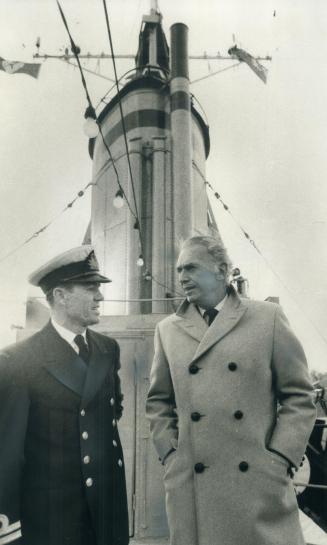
x=228 y=317
x=62 y=361
x=100 y=361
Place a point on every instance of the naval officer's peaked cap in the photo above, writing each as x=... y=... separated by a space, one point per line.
x=77 y=265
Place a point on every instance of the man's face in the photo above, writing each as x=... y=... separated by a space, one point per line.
x=82 y=305
x=200 y=277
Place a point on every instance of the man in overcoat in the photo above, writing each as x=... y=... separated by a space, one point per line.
x=230 y=408
x=62 y=479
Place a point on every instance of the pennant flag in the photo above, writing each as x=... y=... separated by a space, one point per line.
x=17 y=67
x=257 y=68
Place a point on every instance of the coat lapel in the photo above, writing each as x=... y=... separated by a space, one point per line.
x=190 y=320
x=100 y=362
x=62 y=361
x=228 y=317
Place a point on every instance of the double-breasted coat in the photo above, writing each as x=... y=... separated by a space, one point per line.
x=235 y=401
x=61 y=462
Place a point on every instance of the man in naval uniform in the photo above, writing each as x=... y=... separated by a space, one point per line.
x=230 y=408
x=62 y=479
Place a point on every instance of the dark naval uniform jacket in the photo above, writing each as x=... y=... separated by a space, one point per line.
x=61 y=463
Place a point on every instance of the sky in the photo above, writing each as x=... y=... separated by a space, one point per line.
x=268 y=157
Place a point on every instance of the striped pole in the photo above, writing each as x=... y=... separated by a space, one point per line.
x=181 y=136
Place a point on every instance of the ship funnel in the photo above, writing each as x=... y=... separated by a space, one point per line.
x=179 y=51
x=181 y=135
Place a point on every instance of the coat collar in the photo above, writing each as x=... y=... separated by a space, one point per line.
x=190 y=320
x=68 y=368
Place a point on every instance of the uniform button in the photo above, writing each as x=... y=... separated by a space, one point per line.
x=114 y=422
x=199 y=467
x=244 y=466
x=86 y=459
x=193 y=369
x=112 y=401
x=114 y=443
x=238 y=415
x=232 y=366
x=120 y=463
x=85 y=435
x=82 y=412
x=89 y=482
x=195 y=416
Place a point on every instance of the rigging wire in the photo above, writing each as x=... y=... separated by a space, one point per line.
x=75 y=51
x=263 y=257
x=86 y=70
x=215 y=73
x=42 y=229
x=123 y=123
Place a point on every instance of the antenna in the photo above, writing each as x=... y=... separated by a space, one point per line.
x=154 y=7
x=37 y=45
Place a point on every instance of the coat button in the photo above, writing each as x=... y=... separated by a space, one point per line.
x=114 y=443
x=85 y=435
x=112 y=401
x=120 y=463
x=193 y=369
x=244 y=466
x=232 y=366
x=238 y=415
x=199 y=467
x=195 y=416
x=114 y=422
x=86 y=459
x=82 y=412
x=89 y=482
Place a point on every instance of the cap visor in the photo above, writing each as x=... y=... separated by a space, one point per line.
x=88 y=277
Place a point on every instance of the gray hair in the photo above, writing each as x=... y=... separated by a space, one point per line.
x=215 y=248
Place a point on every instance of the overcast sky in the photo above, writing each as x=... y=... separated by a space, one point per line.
x=268 y=157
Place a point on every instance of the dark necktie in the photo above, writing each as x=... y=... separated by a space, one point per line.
x=209 y=315
x=82 y=347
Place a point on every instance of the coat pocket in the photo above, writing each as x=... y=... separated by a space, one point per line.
x=278 y=458
x=170 y=464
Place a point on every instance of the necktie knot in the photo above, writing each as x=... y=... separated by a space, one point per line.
x=83 y=349
x=209 y=315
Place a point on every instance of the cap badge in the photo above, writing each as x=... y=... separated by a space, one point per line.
x=92 y=262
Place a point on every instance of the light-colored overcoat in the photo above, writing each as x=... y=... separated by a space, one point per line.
x=246 y=376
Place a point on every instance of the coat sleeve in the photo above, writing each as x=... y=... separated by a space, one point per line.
x=296 y=414
x=14 y=405
x=161 y=405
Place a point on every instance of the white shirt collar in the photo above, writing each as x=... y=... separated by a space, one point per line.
x=218 y=307
x=67 y=335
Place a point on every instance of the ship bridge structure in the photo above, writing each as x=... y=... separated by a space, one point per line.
x=161 y=177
